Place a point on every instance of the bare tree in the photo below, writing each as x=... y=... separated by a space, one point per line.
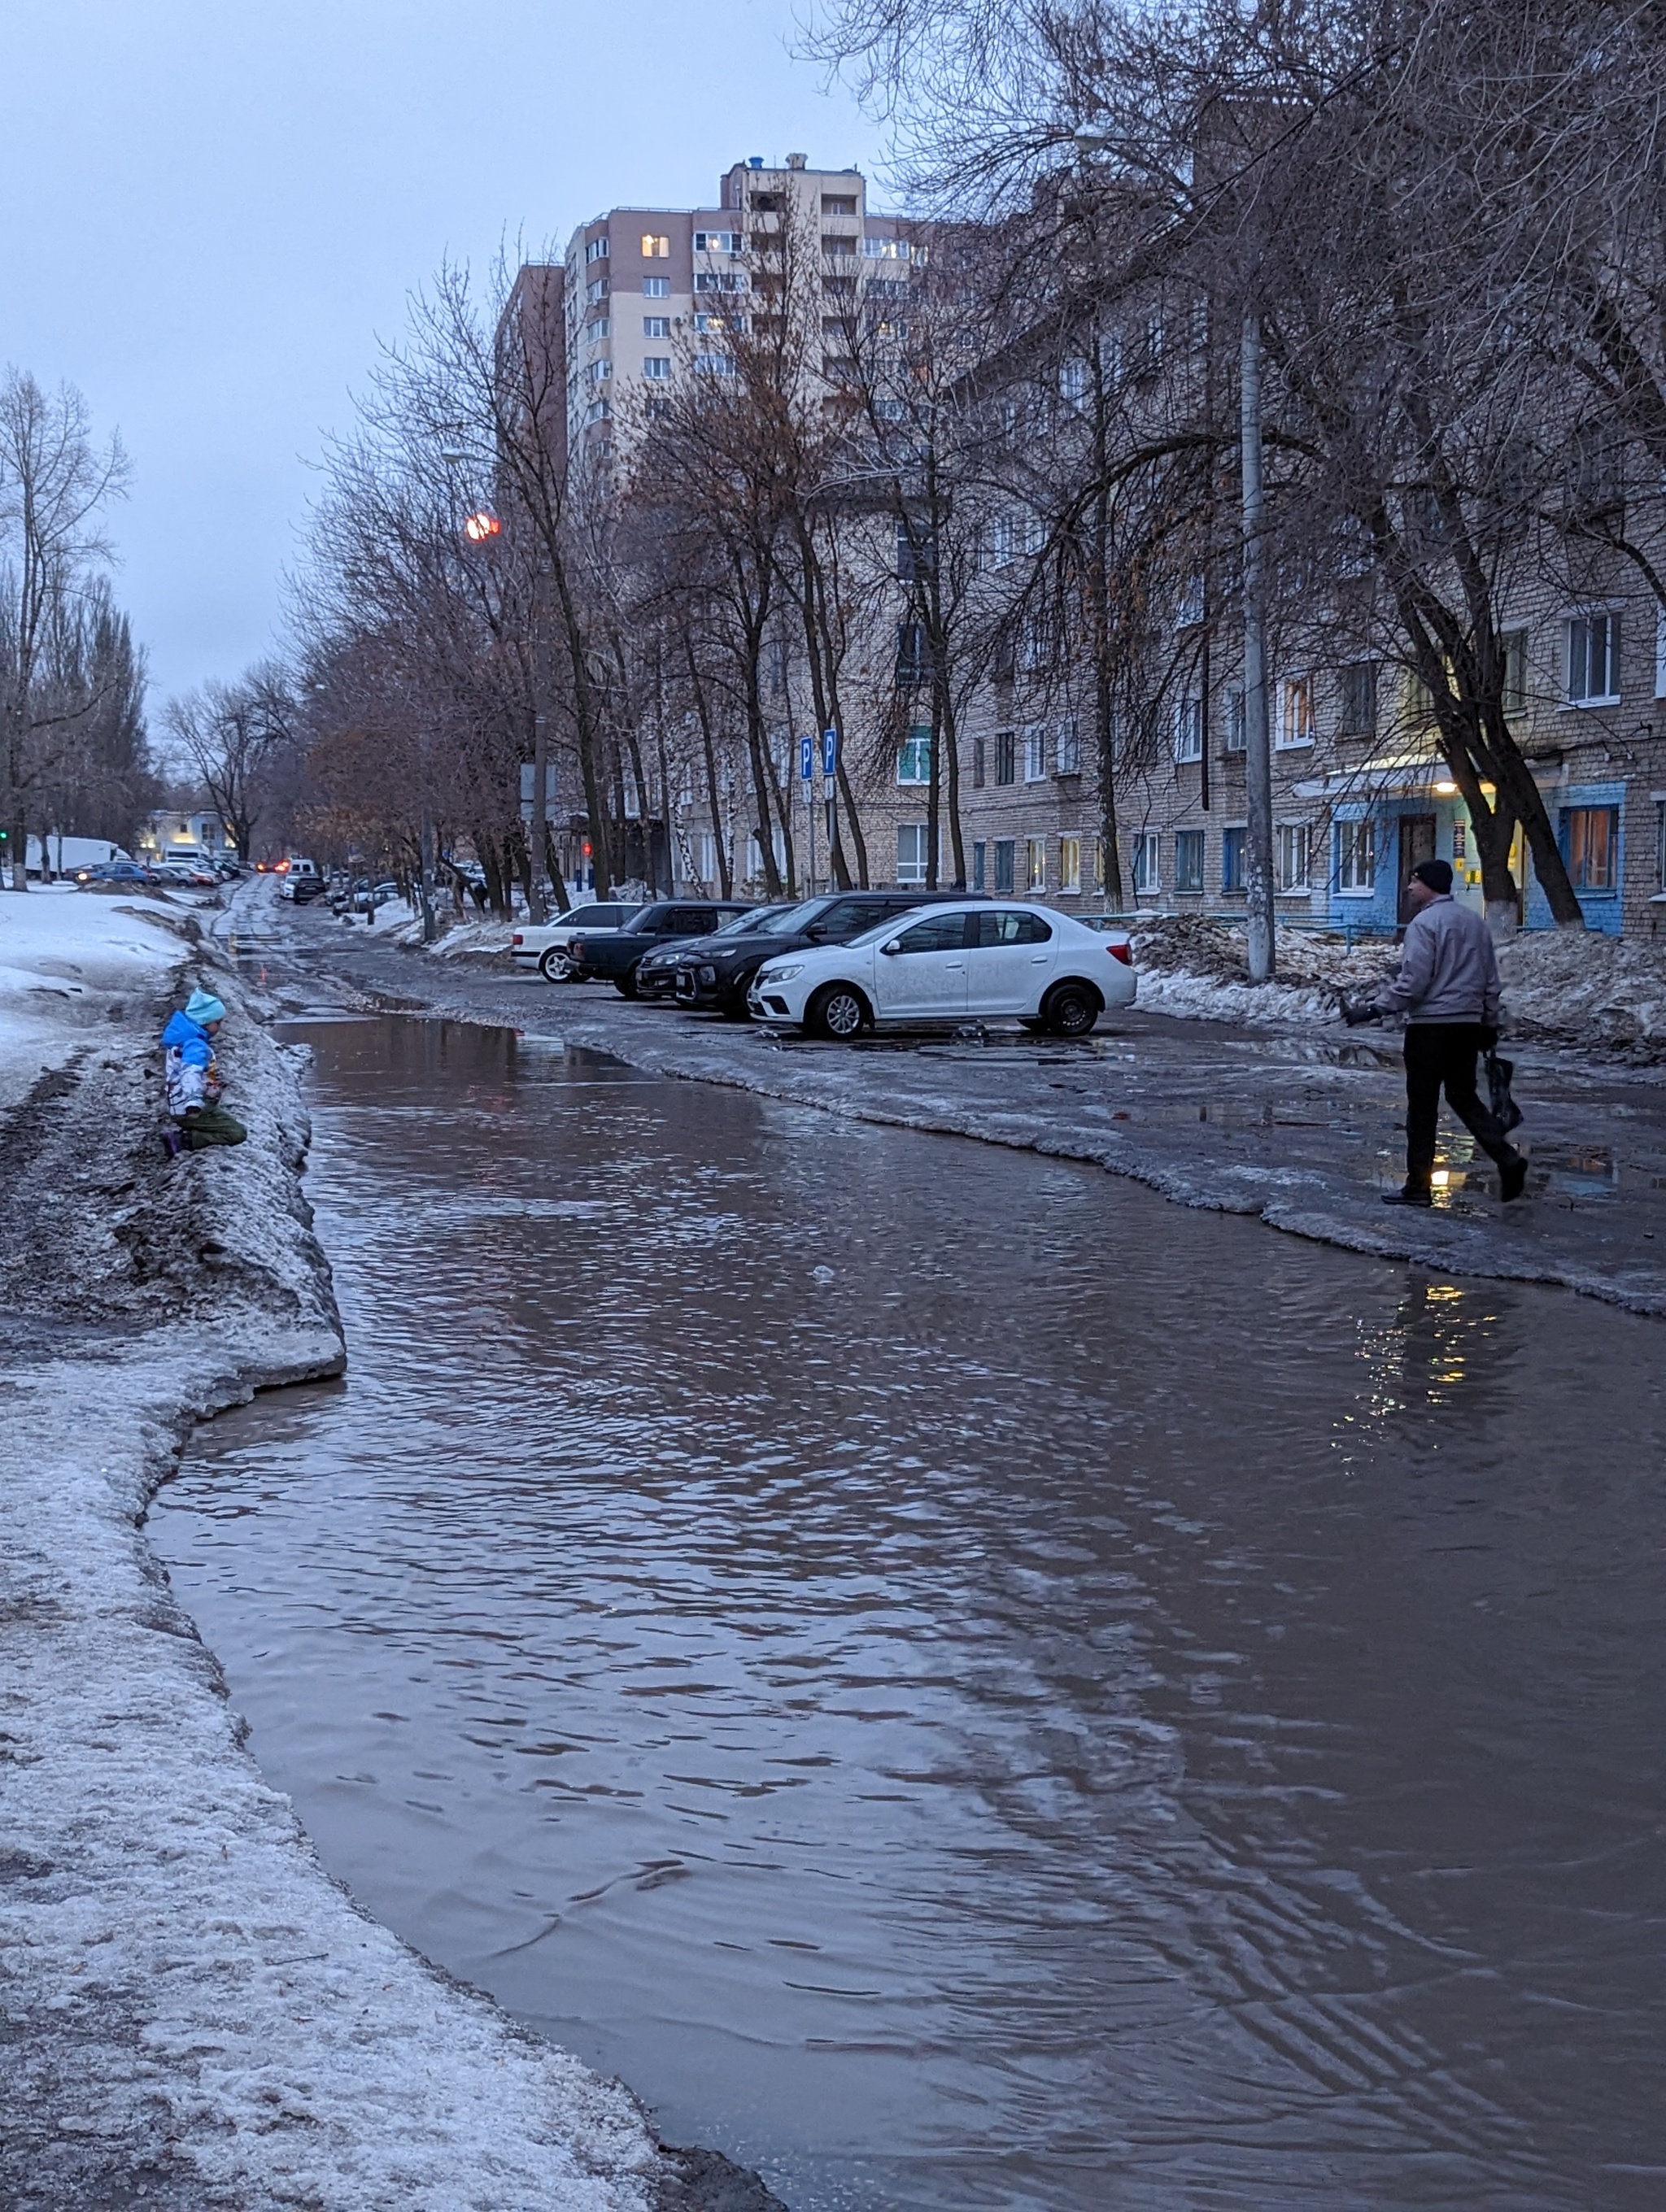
x=54 y=483
x=234 y=736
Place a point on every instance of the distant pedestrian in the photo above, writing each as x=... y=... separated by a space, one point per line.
x=1447 y=988
x=193 y=1074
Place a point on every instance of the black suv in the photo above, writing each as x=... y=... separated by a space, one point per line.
x=610 y=955
x=716 y=976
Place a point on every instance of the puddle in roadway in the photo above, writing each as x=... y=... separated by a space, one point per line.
x=1090 y=1702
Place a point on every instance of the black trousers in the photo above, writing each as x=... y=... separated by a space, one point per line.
x=1442 y=1056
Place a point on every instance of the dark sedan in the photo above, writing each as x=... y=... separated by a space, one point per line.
x=656 y=972
x=716 y=976
x=611 y=956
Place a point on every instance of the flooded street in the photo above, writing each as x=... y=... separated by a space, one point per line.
x=965 y=1683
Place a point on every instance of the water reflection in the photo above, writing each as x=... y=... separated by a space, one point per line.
x=967 y=1686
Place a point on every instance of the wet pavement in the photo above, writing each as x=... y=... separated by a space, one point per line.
x=965 y=1683
x=1305 y=1131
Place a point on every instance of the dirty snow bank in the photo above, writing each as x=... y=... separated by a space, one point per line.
x=195 y=2013
x=70 y=963
x=1573 y=984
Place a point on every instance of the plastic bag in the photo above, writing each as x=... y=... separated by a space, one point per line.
x=1499 y=1074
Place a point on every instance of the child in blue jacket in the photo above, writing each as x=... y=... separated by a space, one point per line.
x=193 y=1078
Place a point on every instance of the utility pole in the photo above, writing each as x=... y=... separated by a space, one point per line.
x=1257 y=746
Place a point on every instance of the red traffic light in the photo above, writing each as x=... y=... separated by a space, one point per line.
x=480 y=525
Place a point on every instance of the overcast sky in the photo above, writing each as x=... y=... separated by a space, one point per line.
x=210 y=209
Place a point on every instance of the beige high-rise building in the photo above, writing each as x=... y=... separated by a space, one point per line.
x=652 y=294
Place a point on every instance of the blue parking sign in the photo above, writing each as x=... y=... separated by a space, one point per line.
x=830 y=752
x=806 y=758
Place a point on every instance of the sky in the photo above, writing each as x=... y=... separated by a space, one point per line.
x=212 y=213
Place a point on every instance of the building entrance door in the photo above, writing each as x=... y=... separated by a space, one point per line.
x=1417 y=844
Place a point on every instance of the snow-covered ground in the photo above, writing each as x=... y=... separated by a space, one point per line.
x=195 y=2015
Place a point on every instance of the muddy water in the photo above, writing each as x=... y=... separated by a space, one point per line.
x=966 y=1685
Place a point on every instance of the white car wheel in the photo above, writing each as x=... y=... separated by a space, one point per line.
x=554 y=965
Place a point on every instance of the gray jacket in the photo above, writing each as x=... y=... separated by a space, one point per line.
x=1449 y=971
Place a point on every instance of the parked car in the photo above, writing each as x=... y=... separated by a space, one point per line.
x=117 y=871
x=657 y=971
x=303 y=890
x=959 y=961
x=543 y=946
x=718 y=978
x=294 y=873
x=610 y=955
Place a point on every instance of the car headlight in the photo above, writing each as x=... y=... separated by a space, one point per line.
x=782 y=975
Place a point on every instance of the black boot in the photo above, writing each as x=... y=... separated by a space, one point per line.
x=1414 y=1194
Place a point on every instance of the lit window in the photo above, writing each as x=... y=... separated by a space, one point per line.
x=655 y=245
x=656 y=326
x=1593 y=660
x=1295 y=711
x=1189 y=861
x=1036 y=863
x=1070 y=864
x=656 y=288
x=1356 y=856
x=1290 y=856
x=1147 y=863
x=1590 y=845
x=720 y=241
x=657 y=367
x=914 y=758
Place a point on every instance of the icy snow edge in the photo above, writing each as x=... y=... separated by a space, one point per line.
x=195 y=2010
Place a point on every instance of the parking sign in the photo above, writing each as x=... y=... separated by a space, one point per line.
x=830 y=752
x=806 y=758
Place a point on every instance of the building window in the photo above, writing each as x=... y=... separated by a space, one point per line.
x=1035 y=863
x=838 y=204
x=1295 y=711
x=1593 y=660
x=599 y=371
x=1070 y=865
x=1356 y=855
x=913 y=656
x=1005 y=760
x=1034 y=752
x=1357 y=700
x=885 y=249
x=597 y=411
x=1189 y=729
x=720 y=241
x=1514 y=642
x=1231 y=860
x=656 y=326
x=1003 y=864
x=657 y=367
x=601 y=328
x=1590 y=845
x=596 y=250
x=1147 y=875
x=1290 y=856
x=656 y=246
x=914 y=758
x=1070 y=750
x=911 y=849
x=656 y=288
x=1189 y=861
x=978 y=851
x=721 y=281
x=712 y=364
x=1234 y=721
x=595 y=292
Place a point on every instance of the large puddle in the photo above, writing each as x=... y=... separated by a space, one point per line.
x=967 y=1686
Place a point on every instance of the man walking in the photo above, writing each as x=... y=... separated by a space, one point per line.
x=1448 y=989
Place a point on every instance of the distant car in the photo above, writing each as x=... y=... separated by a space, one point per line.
x=543 y=946
x=657 y=971
x=303 y=890
x=717 y=977
x=610 y=955
x=117 y=871
x=954 y=963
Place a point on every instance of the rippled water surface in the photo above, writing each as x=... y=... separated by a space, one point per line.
x=967 y=1684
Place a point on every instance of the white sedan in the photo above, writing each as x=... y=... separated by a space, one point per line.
x=543 y=946
x=955 y=962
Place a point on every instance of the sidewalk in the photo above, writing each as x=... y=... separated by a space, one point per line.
x=1305 y=1130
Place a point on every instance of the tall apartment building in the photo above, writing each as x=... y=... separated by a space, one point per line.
x=652 y=293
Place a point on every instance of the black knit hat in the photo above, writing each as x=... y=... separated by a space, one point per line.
x=1438 y=874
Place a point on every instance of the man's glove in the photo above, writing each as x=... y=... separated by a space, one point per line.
x=1355 y=1011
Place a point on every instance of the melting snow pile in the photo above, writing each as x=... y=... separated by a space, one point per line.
x=1573 y=984
x=1190 y=964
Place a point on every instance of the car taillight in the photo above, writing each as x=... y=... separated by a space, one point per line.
x=517 y=938
x=1124 y=952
